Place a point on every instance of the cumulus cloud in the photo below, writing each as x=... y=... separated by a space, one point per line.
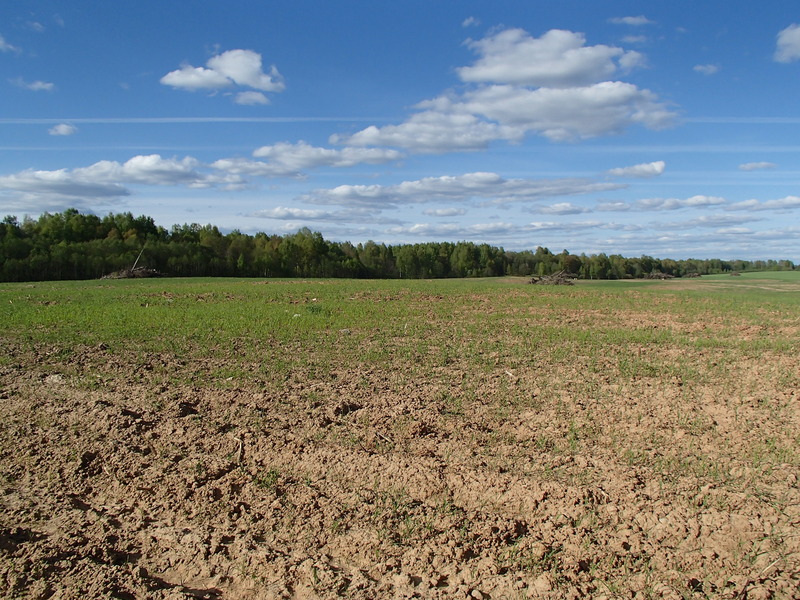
x=251 y=98
x=290 y=160
x=492 y=230
x=635 y=21
x=295 y=217
x=705 y=221
x=34 y=86
x=435 y=132
x=706 y=69
x=555 y=86
x=232 y=68
x=283 y=212
x=246 y=166
x=445 y=212
x=488 y=187
x=195 y=78
x=561 y=208
x=734 y=231
x=62 y=129
x=757 y=166
x=788 y=45
x=451 y=230
x=570 y=113
x=243 y=67
x=59 y=183
x=302 y=155
x=787 y=203
x=642 y=170
x=613 y=207
x=678 y=203
x=106 y=179
x=557 y=59
x=150 y=170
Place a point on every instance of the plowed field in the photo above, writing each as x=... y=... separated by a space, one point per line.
x=170 y=439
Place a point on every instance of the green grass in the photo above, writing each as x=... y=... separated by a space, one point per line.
x=167 y=315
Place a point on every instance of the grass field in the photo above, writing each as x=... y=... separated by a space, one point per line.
x=222 y=438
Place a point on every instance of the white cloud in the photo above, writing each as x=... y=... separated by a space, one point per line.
x=300 y=215
x=434 y=132
x=787 y=203
x=289 y=160
x=572 y=113
x=510 y=112
x=643 y=170
x=551 y=86
x=283 y=212
x=6 y=47
x=613 y=207
x=706 y=69
x=635 y=21
x=561 y=208
x=470 y=22
x=251 y=98
x=234 y=67
x=734 y=231
x=678 y=203
x=788 y=45
x=60 y=183
x=452 y=231
x=302 y=155
x=244 y=166
x=34 y=86
x=149 y=170
x=756 y=166
x=243 y=67
x=711 y=221
x=495 y=229
x=196 y=78
x=105 y=179
x=489 y=187
x=557 y=59
x=634 y=39
x=445 y=212
x=63 y=129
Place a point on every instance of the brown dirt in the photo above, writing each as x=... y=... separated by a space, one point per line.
x=128 y=482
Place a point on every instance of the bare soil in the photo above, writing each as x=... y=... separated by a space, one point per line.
x=126 y=479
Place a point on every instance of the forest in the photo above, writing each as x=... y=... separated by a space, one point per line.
x=73 y=245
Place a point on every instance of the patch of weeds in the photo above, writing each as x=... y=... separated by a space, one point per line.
x=268 y=480
x=451 y=405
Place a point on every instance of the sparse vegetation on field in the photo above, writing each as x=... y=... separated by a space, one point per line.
x=226 y=438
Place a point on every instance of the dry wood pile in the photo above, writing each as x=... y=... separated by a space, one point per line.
x=135 y=273
x=560 y=278
x=659 y=275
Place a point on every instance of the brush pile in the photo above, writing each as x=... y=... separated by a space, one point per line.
x=560 y=278
x=135 y=273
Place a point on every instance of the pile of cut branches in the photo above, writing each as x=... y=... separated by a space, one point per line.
x=135 y=273
x=560 y=278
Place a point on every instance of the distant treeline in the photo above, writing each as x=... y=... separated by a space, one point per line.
x=71 y=245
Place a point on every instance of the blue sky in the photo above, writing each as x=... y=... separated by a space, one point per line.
x=667 y=129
